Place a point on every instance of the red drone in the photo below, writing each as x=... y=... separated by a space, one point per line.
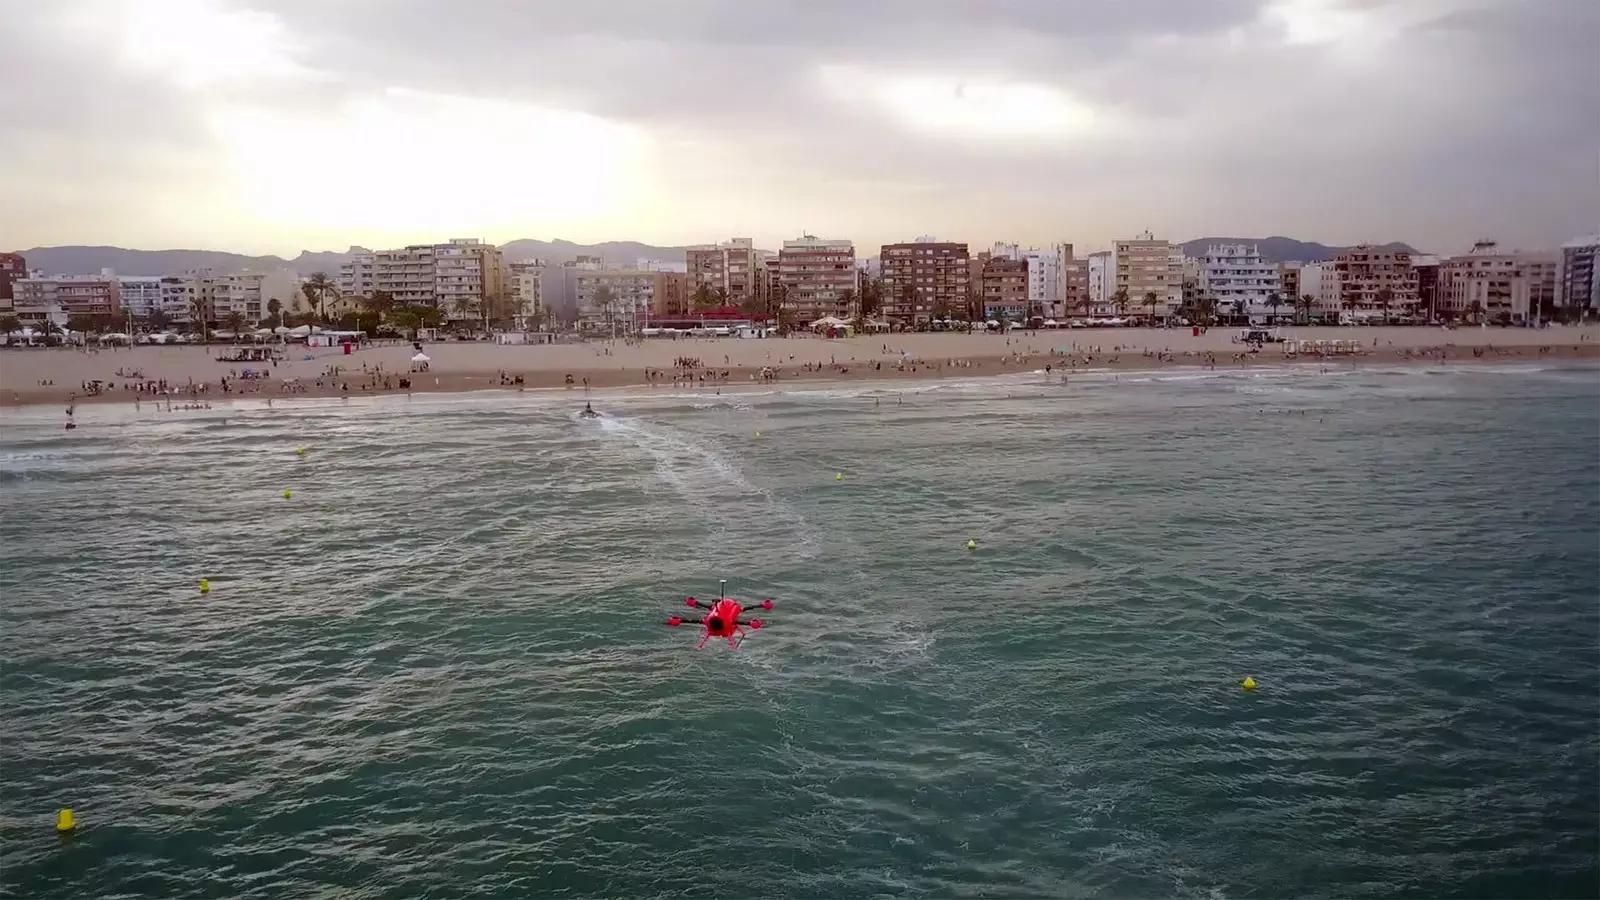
x=722 y=620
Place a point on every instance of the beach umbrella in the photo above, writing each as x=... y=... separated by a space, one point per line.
x=420 y=358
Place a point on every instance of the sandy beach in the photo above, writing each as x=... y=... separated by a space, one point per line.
x=192 y=373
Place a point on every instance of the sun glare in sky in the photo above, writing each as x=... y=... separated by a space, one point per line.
x=406 y=163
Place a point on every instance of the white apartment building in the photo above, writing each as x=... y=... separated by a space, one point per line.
x=141 y=294
x=1499 y=285
x=249 y=293
x=1240 y=281
x=455 y=277
x=1098 y=266
x=358 y=277
x=406 y=274
x=1142 y=266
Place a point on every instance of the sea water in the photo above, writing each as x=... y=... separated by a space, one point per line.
x=442 y=668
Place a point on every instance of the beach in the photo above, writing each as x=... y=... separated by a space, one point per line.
x=61 y=375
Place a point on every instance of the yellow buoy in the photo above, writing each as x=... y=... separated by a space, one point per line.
x=839 y=477
x=64 y=821
x=300 y=452
x=1249 y=683
x=972 y=545
x=285 y=493
x=758 y=434
x=205 y=585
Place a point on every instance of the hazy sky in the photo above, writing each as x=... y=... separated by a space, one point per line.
x=268 y=126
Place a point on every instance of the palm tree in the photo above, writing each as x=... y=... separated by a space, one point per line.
x=1475 y=311
x=1307 y=304
x=9 y=323
x=463 y=307
x=275 y=311
x=1240 y=312
x=1086 y=304
x=199 y=313
x=1119 y=301
x=310 y=292
x=319 y=289
x=234 y=322
x=158 y=320
x=1150 y=304
x=605 y=299
x=1385 y=299
x=381 y=302
x=1273 y=302
x=703 y=299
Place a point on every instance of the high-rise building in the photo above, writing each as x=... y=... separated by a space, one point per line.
x=1144 y=266
x=1241 y=282
x=1579 y=286
x=819 y=278
x=1005 y=288
x=1045 y=297
x=671 y=296
x=358 y=277
x=924 y=279
x=1493 y=285
x=732 y=267
x=455 y=277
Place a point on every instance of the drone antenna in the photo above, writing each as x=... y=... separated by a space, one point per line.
x=722 y=587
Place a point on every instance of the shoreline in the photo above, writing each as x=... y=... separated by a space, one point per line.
x=741 y=377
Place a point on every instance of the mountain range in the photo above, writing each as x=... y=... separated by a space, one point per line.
x=90 y=260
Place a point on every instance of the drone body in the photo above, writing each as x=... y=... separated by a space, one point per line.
x=721 y=619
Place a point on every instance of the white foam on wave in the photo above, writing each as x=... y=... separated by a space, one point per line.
x=699 y=472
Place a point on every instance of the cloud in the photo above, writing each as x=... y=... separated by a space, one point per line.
x=276 y=124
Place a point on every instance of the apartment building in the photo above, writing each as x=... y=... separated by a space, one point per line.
x=1427 y=269
x=672 y=297
x=56 y=298
x=1289 y=283
x=1143 y=265
x=1240 y=281
x=358 y=277
x=139 y=295
x=1076 y=299
x=1005 y=288
x=1494 y=285
x=454 y=277
x=1579 y=280
x=525 y=290
x=924 y=279
x=406 y=274
x=248 y=294
x=466 y=271
x=620 y=299
x=1354 y=282
x=733 y=267
x=1101 y=282
x=818 y=278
